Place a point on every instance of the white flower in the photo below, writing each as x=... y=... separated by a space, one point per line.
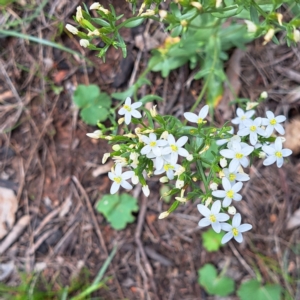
x=84 y=43
x=152 y=145
x=146 y=190
x=72 y=29
x=230 y=192
x=275 y=153
x=238 y=156
x=223 y=162
x=235 y=230
x=213 y=186
x=272 y=123
x=97 y=134
x=169 y=168
x=242 y=117
x=95 y=5
x=213 y=217
x=235 y=176
x=252 y=129
x=179 y=184
x=119 y=179
x=175 y=148
x=129 y=110
x=193 y=118
x=79 y=15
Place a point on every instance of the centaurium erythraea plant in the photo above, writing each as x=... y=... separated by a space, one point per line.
x=163 y=146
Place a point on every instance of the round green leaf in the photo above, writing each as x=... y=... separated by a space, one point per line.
x=91 y=115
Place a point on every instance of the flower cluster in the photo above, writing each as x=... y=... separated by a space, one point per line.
x=162 y=145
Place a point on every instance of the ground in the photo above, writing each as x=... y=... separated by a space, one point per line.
x=51 y=165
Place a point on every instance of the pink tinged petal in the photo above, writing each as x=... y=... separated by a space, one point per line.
x=244 y=227
x=183 y=152
x=226 y=184
x=128 y=101
x=161 y=143
x=221 y=217
x=203 y=210
x=136 y=114
x=191 y=117
x=243 y=132
x=126 y=185
x=136 y=105
x=237 y=187
x=215 y=209
x=226 y=227
x=203 y=112
x=227 y=153
x=268 y=131
x=280 y=119
x=146 y=149
x=268 y=149
x=237 y=197
x=242 y=177
x=181 y=141
x=127 y=118
x=239 y=238
x=216 y=227
x=269 y=160
x=286 y=152
x=253 y=138
x=126 y=175
x=279 y=129
x=226 y=202
x=247 y=150
x=156 y=151
x=249 y=114
x=122 y=111
x=114 y=188
x=204 y=222
x=236 y=221
x=227 y=237
x=234 y=164
x=279 y=162
x=118 y=170
x=270 y=114
x=152 y=137
x=278 y=144
x=219 y=194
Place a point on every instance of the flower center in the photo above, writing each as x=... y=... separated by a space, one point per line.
x=239 y=155
x=127 y=107
x=232 y=176
x=118 y=179
x=273 y=122
x=212 y=218
x=243 y=118
x=230 y=194
x=200 y=121
x=152 y=144
x=235 y=232
x=174 y=148
x=168 y=167
x=253 y=128
x=278 y=154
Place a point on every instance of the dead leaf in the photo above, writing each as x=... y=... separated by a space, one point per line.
x=8 y=208
x=294 y=220
x=292 y=136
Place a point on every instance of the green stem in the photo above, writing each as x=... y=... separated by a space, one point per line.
x=200 y=169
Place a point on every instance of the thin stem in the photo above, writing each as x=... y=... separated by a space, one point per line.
x=200 y=169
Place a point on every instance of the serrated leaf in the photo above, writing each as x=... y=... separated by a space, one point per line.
x=212 y=240
x=213 y=284
x=91 y=115
x=84 y=94
x=252 y=289
x=118 y=209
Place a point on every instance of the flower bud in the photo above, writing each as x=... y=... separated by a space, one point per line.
x=264 y=95
x=213 y=186
x=269 y=35
x=218 y=3
x=146 y=190
x=221 y=174
x=164 y=135
x=164 y=179
x=223 y=162
x=251 y=27
x=179 y=184
x=105 y=157
x=251 y=105
x=262 y=154
x=97 y=134
x=109 y=138
x=116 y=147
x=163 y=215
x=296 y=35
x=180 y=170
x=183 y=23
x=208 y=201
x=79 y=15
x=137 y=130
x=135 y=179
x=163 y=14
x=95 y=5
x=84 y=43
x=231 y=210
x=196 y=4
x=130 y=135
x=72 y=29
x=153 y=111
x=148 y=13
x=121 y=121
x=279 y=18
x=190 y=157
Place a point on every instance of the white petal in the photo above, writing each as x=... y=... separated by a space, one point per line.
x=118 y=169
x=279 y=129
x=237 y=187
x=221 y=217
x=268 y=149
x=136 y=114
x=226 y=202
x=126 y=185
x=111 y=176
x=181 y=141
x=243 y=132
x=234 y=164
x=127 y=118
x=239 y=112
x=244 y=227
x=280 y=119
x=269 y=115
x=286 y=152
x=171 y=139
x=227 y=237
x=159 y=163
x=249 y=114
x=247 y=150
x=122 y=111
x=191 y=117
x=136 y=105
x=215 y=209
x=156 y=151
x=128 y=101
x=237 y=197
x=227 y=153
x=183 y=152
x=203 y=112
x=253 y=138
x=114 y=188
x=239 y=238
x=152 y=137
x=236 y=221
x=278 y=144
x=244 y=162
x=204 y=222
x=226 y=226
x=279 y=162
x=203 y=210
x=219 y=194
x=146 y=149
x=269 y=160
x=268 y=131
x=126 y=175
x=226 y=184
x=216 y=227
x=242 y=177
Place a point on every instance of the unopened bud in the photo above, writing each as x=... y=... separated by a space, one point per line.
x=130 y=135
x=208 y=201
x=179 y=184
x=279 y=18
x=121 y=121
x=105 y=157
x=109 y=138
x=153 y=111
x=135 y=179
x=231 y=210
x=262 y=154
x=72 y=29
x=164 y=179
x=213 y=186
x=97 y=134
x=183 y=23
x=164 y=135
x=84 y=43
x=163 y=215
x=223 y=162
x=95 y=5
x=116 y=147
x=251 y=27
x=162 y=14
x=196 y=4
x=296 y=35
x=264 y=95
x=268 y=37
x=218 y=3
x=190 y=157
x=148 y=13
x=79 y=15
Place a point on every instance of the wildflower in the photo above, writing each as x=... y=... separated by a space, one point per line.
x=129 y=110
x=242 y=117
x=193 y=118
x=84 y=43
x=146 y=190
x=275 y=153
x=95 y=5
x=251 y=105
x=252 y=129
x=105 y=157
x=190 y=157
x=79 y=15
x=169 y=168
x=235 y=176
x=230 y=192
x=223 y=162
x=238 y=156
x=179 y=184
x=231 y=210
x=119 y=179
x=152 y=145
x=175 y=148
x=235 y=230
x=72 y=29
x=272 y=123
x=97 y=134
x=163 y=215
x=264 y=95
x=213 y=186
x=213 y=217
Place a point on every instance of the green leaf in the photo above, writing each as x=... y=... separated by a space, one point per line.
x=134 y=23
x=214 y=284
x=252 y=289
x=91 y=115
x=118 y=209
x=254 y=15
x=84 y=94
x=212 y=240
x=150 y=98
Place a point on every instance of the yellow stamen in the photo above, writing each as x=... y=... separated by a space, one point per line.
x=152 y=144
x=232 y=176
x=200 y=121
x=235 y=232
x=174 y=148
x=168 y=167
x=273 y=122
x=118 y=179
x=239 y=155
x=278 y=154
x=230 y=194
x=212 y=218
x=253 y=128
x=127 y=107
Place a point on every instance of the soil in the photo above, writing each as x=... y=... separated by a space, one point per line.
x=47 y=159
